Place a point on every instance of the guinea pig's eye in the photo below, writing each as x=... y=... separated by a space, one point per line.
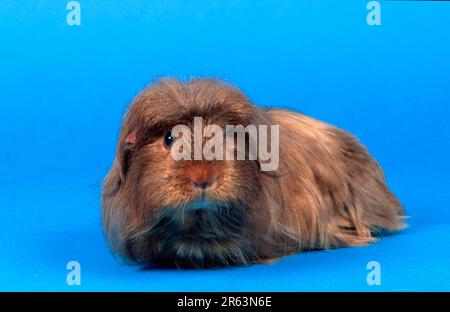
x=168 y=139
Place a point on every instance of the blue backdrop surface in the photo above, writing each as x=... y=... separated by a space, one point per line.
x=63 y=91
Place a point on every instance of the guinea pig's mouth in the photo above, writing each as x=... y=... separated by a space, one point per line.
x=200 y=204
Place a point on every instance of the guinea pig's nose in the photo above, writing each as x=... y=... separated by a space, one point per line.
x=201 y=183
x=201 y=178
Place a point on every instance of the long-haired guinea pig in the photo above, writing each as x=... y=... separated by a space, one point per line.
x=326 y=192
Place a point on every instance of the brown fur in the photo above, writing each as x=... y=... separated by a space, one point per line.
x=327 y=192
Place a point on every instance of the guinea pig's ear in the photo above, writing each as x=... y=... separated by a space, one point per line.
x=131 y=137
x=124 y=152
x=125 y=147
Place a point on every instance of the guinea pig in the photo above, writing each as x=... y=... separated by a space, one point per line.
x=327 y=191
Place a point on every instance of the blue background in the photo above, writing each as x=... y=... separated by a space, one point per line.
x=63 y=91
